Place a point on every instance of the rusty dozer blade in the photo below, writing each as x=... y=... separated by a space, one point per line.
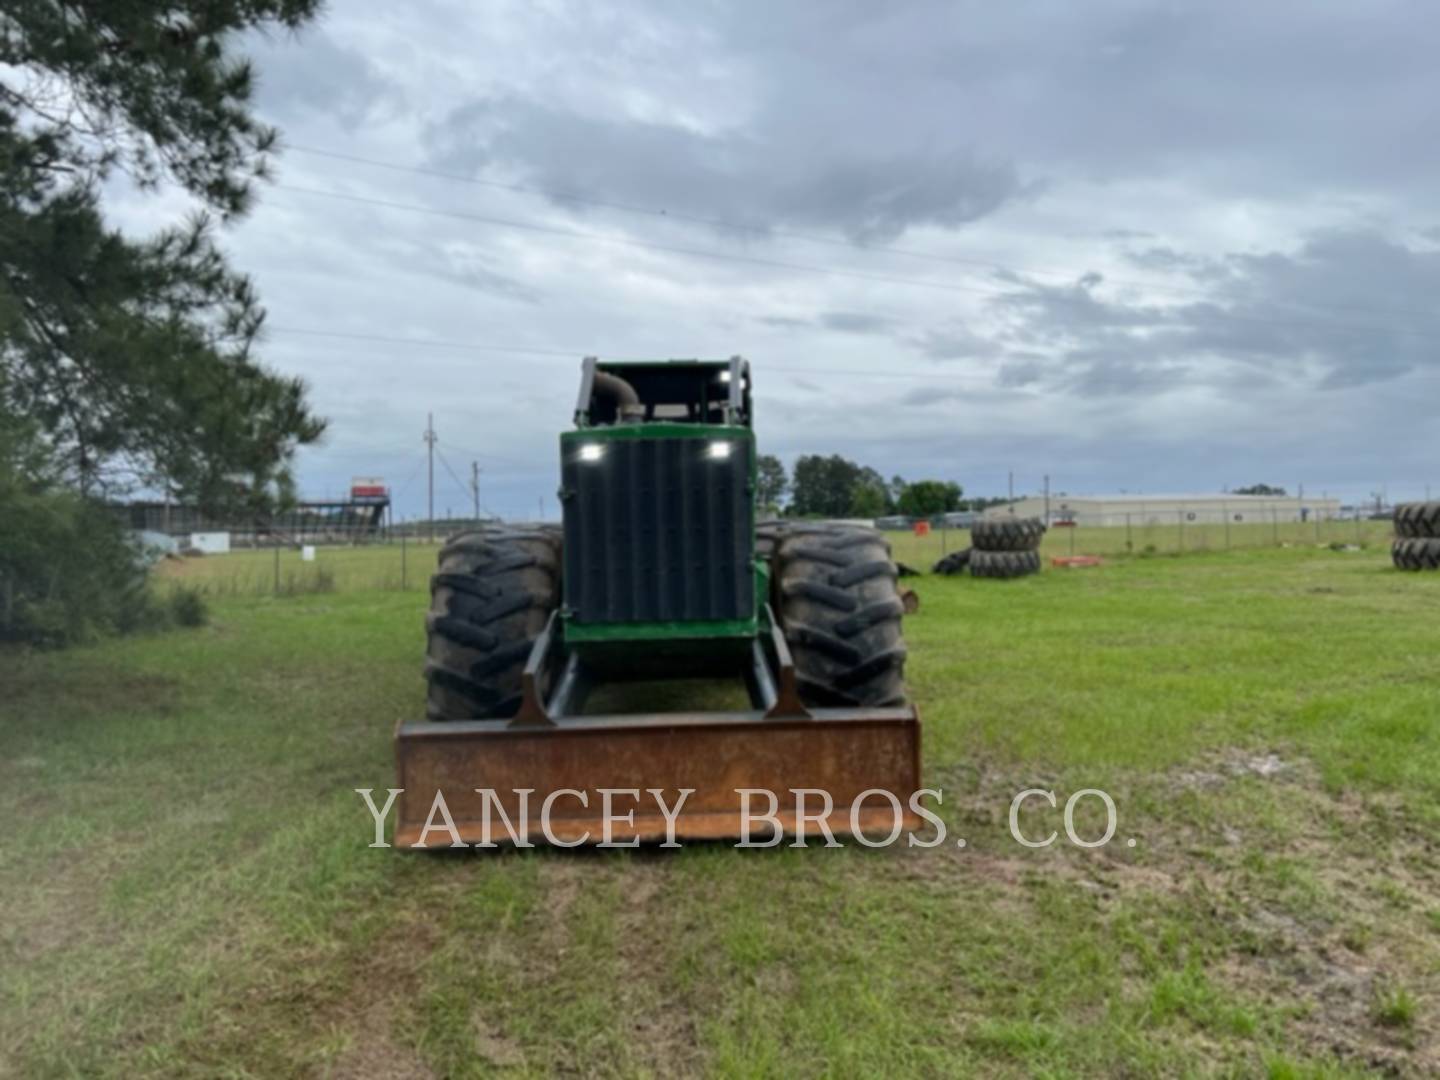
x=867 y=760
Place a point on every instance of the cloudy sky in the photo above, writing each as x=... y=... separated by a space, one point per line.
x=1136 y=246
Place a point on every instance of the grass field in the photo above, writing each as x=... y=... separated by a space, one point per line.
x=408 y=566
x=187 y=888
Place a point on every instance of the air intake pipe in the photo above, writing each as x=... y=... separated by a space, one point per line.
x=627 y=401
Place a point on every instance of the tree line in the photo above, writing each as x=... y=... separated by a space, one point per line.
x=834 y=486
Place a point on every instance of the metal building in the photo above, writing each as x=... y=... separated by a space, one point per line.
x=1170 y=509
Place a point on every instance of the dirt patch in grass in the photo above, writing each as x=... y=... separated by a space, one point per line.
x=1323 y=910
x=664 y=1034
x=374 y=1054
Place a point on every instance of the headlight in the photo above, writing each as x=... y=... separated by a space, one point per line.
x=591 y=451
x=719 y=450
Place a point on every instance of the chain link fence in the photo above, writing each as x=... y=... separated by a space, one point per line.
x=1164 y=533
x=404 y=558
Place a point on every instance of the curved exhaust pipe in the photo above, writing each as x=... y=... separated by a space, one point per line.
x=627 y=401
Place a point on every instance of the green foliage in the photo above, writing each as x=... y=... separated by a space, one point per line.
x=1395 y=1007
x=188 y=607
x=926 y=498
x=134 y=357
x=837 y=487
x=822 y=486
x=770 y=482
x=67 y=572
x=1260 y=489
x=867 y=499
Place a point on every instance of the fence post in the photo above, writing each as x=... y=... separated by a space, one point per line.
x=1275 y=524
x=402 y=562
x=1129 y=540
x=1075 y=525
x=277 y=568
x=1181 y=516
x=1225 y=513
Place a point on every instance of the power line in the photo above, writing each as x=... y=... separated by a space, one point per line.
x=464 y=487
x=430 y=439
x=884 y=279
x=625 y=241
x=399 y=491
x=760 y=368
x=764 y=232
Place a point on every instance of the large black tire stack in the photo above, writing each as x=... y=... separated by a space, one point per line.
x=840 y=611
x=494 y=591
x=1417 y=536
x=1005 y=547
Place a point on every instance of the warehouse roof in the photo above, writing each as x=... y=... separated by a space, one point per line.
x=1131 y=497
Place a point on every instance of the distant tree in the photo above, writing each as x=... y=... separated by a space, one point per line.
x=1260 y=489
x=135 y=356
x=926 y=498
x=893 y=490
x=868 y=498
x=770 y=482
x=823 y=486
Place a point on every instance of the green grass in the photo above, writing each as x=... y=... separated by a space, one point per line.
x=188 y=891
x=394 y=565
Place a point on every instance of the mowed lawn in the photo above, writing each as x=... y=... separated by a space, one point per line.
x=187 y=888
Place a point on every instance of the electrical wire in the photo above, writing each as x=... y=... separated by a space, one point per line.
x=987 y=381
x=763 y=232
x=884 y=279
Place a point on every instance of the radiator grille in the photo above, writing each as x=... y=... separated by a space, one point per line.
x=659 y=530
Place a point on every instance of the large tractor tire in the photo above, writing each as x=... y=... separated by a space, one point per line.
x=495 y=589
x=1007 y=534
x=1416 y=553
x=840 y=610
x=1004 y=564
x=1417 y=519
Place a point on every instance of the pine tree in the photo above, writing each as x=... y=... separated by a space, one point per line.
x=136 y=357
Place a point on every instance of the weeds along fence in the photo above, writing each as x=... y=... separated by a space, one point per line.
x=404 y=562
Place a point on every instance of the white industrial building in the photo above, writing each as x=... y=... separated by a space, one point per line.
x=1170 y=509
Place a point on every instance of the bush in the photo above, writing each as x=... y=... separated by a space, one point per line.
x=188 y=607
x=69 y=573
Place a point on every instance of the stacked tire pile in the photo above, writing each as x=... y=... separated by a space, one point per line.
x=1417 y=536
x=1005 y=547
x=1002 y=548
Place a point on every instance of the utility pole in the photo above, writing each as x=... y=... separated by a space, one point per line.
x=1012 y=485
x=540 y=505
x=430 y=439
x=475 y=487
x=1047 y=500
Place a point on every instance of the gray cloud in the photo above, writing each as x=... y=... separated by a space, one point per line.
x=753 y=180
x=856 y=322
x=1219 y=219
x=332 y=80
x=1345 y=309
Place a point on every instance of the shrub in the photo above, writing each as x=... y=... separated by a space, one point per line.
x=188 y=607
